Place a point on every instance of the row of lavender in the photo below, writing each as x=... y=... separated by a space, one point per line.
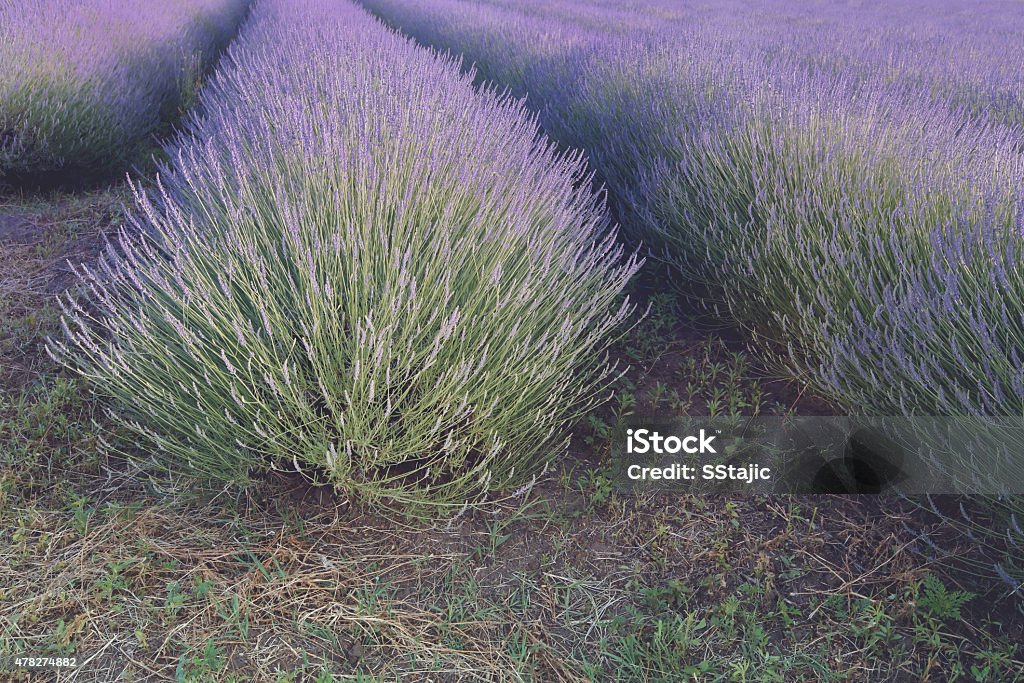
x=848 y=181
x=358 y=266
x=83 y=81
x=964 y=55
x=869 y=224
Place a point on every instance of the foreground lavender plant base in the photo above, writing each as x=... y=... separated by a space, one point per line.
x=357 y=266
x=84 y=81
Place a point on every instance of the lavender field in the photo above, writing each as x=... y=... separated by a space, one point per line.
x=848 y=185
x=84 y=83
x=321 y=320
x=847 y=182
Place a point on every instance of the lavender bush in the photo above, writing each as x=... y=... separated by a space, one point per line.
x=846 y=182
x=84 y=81
x=357 y=266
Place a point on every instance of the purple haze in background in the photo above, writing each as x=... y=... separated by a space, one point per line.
x=83 y=81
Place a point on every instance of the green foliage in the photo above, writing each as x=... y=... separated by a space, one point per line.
x=935 y=601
